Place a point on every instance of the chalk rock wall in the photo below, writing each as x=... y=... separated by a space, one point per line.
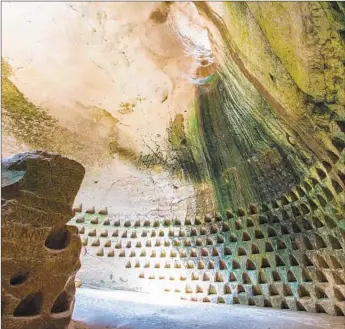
x=40 y=253
x=286 y=254
x=273 y=148
x=213 y=135
x=127 y=71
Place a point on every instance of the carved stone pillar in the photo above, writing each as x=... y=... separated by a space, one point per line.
x=40 y=253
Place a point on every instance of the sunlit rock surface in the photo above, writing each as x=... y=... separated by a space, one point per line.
x=155 y=312
x=213 y=138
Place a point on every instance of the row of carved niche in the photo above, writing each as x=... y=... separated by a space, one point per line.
x=299 y=212
x=263 y=276
x=317 y=306
x=328 y=194
x=310 y=240
x=305 y=290
x=245 y=263
x=271 y=230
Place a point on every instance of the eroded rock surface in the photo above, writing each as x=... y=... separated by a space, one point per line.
x=214 y=140
x=40 y=253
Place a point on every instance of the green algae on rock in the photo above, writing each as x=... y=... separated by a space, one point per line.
x=226 y=173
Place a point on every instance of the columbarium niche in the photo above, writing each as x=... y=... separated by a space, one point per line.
x=213 y=137
x=284 y=257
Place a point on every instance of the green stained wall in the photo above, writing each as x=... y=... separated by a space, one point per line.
x=245 y=161
x=260 y=127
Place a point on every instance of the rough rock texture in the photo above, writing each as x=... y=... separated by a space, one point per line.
x=40 y=253
x=286 y=254
x=239 y=97
x=190 y=109
x=266 y=121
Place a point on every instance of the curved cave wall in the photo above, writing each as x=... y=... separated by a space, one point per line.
x=235 y=192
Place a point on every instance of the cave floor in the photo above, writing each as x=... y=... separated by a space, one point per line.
x=99 y=309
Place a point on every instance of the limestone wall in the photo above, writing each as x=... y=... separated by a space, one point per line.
x=288 y=253
x=179 y=111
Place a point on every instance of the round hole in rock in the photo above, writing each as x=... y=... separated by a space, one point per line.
x=61 y=304
x=58 y=238
x=30 y=305
x=18 y=278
